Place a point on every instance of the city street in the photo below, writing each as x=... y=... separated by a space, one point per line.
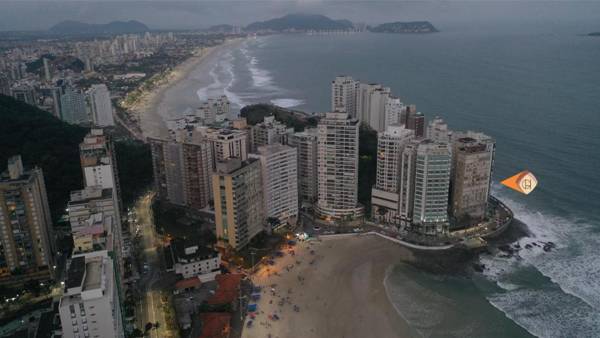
x=149 y=308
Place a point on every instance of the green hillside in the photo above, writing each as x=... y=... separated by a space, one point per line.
x=44 y=141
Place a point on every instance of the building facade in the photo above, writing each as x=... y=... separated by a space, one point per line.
x=431 y=188
x=215 y=109
x=194 y=260
x=472 y=165
x=228 y=143
x=279 y=168
x=26 y=240
x=306 y=144
x=92 y=215
x=385 y=193
x=415 y=121
x=182 y=171
x=73 y=107
x=100 y=105
x=90 y=305
x=337 y=166
x=238 y=199
x=270 y=131
x=343 y=95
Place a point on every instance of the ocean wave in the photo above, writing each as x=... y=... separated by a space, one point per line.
x=287 y=103
x=261 y=78
x=235 y=99
x=573 y=265
x=573 y=269
x=548 y=313
x=205 y=92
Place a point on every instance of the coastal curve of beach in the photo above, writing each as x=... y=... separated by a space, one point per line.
x=330 y=288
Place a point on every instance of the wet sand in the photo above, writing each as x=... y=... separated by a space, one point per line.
x=165 y=100
x=341 y=294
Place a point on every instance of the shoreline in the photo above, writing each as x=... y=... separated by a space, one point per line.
x=339 y=294
x=147 y=111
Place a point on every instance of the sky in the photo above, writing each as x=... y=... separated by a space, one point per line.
x=40 y=15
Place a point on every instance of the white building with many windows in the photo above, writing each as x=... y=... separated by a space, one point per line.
x=337 y=164
x=89 y=307
x=343 y=95
x=306 y=143
x=431 y=187
x=101 y=108
x=279 y=170
x=385 y=193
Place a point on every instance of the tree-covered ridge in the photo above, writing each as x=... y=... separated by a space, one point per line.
x=53 y=145
x=300 y=22
x=255 y=113
x=404 y=27
x=44 y=141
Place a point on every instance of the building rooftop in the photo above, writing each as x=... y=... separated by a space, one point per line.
x=90 y=193
x=75 y=273
x=215 y=325
x=227 y=289
x=191 y=250
x=93 y=275
x=192 y=282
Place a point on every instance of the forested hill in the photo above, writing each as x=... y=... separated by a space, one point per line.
x=47 y=142
x=44 y=141
x=404 y=27
x=300 y=22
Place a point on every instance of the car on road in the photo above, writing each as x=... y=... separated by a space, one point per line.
x=316 y=228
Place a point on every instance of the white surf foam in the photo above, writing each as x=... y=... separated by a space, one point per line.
x=548 y=313
x=261 y=78
x=287 y=103
x=233 y=97
x=573 y=266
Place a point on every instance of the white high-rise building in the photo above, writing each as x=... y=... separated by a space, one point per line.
x=437 y=130
x=90 y=306
x=371 y=102
x=215 y=109
x=343 y=95
x=377 y=104
x=393 y=111
x=385 y=193
x=228 y=143
x=98 y=161
x=306 y=143
x=337 y=165
x=270 y=131
x=431 y=187
x=363 y=100
x=101 y=109
x=279 y=170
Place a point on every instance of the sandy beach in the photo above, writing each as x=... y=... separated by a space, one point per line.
x=155 y=106
x=337 y=285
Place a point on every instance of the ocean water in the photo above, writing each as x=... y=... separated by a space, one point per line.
x=536 y=90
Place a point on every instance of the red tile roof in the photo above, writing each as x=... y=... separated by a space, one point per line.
x=192 y=282
x=227 y=289
x=215 y=325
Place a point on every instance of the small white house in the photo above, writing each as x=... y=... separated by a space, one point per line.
x=193 y=260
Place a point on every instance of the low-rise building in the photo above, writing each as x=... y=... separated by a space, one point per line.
x=195 y=260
